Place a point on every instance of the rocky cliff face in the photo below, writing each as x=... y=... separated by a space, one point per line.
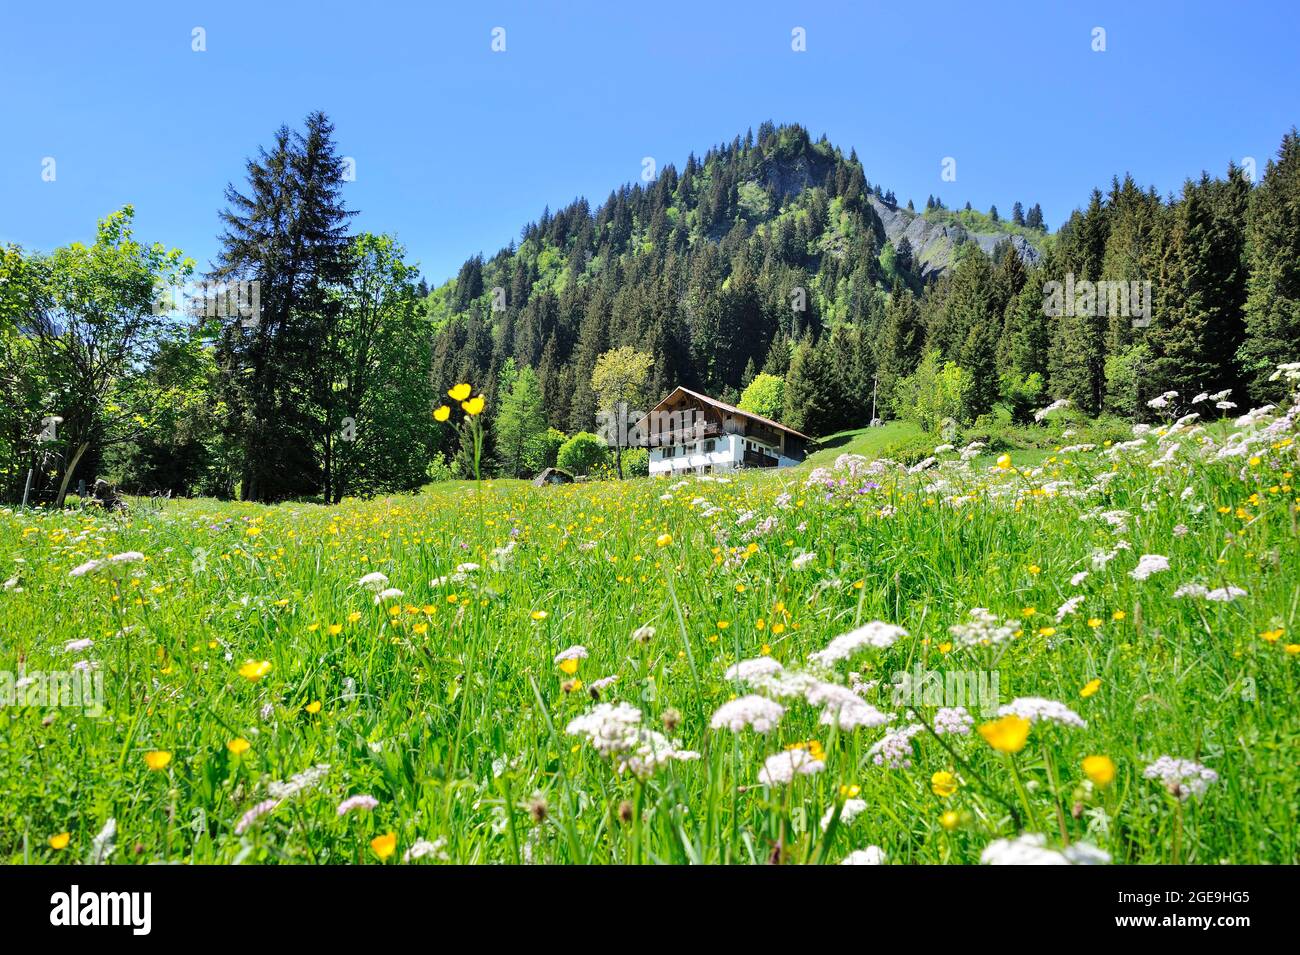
x=934 y=244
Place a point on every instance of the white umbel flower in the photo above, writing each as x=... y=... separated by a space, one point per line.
x=92 y=568
x=1183 y=778
x=1031 y=849
x=875 y=635
x=374 y=581
x=1149 y=564
x=982 y=629
x=852 y=809
x=1037 y=709
x=782 y=768
x=575 y=652
x=753 y=671
x=756 y=711
x=871 y=855
x=1069 y=608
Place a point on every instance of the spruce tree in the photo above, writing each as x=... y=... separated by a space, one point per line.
x=288 y=233
x=1272 y=312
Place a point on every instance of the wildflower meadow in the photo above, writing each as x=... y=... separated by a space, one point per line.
x=1090 y=657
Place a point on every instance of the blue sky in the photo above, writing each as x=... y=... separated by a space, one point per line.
x=457 y=146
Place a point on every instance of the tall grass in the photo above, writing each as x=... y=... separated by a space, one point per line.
x=445 y=703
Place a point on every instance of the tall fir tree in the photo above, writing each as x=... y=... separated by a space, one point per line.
x=288 y=233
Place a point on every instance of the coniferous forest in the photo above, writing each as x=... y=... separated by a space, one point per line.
x=765 y=265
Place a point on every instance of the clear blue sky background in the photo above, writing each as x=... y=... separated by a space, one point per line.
x=457 y=147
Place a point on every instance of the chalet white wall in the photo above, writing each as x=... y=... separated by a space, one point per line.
x=728 y=453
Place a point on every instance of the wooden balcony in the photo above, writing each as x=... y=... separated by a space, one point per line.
x=757 y=459
x=657 y=439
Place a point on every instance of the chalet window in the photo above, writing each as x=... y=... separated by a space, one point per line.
x=709 y=445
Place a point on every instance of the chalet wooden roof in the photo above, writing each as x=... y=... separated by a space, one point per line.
x=723 y=406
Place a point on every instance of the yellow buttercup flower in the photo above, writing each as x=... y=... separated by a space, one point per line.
x=1089 y=688
x=943 y=784
x=313 y=707
x=1100 y=769
x=950 y=820
x=385 y=845
x=473 y=406
x=441 y=413
x=539 y=614
x=1004 y=461
x=254 y=670
x=238 y=746
x=569 y=666
x=663 y=540
x=459 y=392
x=157 y=759
x=1008 y=734
x=59 y=841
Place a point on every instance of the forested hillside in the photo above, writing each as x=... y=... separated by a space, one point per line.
x=718 y=272
x=776 y=254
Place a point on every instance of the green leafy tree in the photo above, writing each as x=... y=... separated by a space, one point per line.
x=618 y=381
x=936 y=393
x=584 y=453
x=765 y=396
x=96 y=324
x=375 y=432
